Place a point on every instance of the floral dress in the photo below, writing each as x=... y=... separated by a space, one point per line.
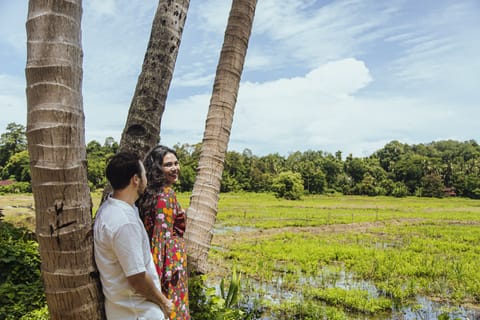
x=166 y=227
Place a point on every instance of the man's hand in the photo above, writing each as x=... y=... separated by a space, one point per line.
x=167 y=307
x=143 y=284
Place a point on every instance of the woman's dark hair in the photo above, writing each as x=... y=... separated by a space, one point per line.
x=156 y=179
x=121 y=168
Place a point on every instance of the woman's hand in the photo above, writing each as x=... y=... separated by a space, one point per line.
x=179 y=224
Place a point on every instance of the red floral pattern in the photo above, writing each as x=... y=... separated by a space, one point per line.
x=169 y=251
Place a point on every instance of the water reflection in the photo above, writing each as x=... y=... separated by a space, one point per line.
x=231 y=229
x=422 y=308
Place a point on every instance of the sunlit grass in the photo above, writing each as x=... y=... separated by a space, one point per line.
x=403 y=247
x=436 y=260
x=265 y=211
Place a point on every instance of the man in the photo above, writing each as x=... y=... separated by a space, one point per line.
x=122 y=250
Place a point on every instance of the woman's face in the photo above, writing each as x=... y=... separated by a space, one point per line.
x=170 y=168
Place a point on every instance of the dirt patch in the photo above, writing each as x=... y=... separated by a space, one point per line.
x=224 y=239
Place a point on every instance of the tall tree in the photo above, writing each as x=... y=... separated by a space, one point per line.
x=142 y=129
x=205 y=194
x=56 y=144
x=12 y=141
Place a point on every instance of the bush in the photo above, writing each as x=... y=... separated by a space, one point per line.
x=288 y=185
x=17 y=187
x=432 y=186
x=21 y=289
x=37 y=314
x=205 y=303
x=400 y=190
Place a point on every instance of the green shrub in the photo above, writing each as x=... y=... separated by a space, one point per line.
x=21 y=289
x=288 y=185
x=205 y=303
x=306 y=310
x=16 y=187
x=400 y=190
x=37 y=314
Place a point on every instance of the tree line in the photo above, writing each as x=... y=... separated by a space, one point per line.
x=436 y=169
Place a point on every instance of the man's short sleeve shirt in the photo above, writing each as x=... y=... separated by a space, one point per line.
x=122 y=249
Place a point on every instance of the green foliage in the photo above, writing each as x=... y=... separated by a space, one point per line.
x=188 y=156
x=205 y=303
x=432 y=186
x=21 y=289
x=355 y=168
x=471 y=186
x=16 y=187
x=306 y=310
x=367 y=186
x=288 y=185
x=410 y=169
x=37 y=314
x=419 y=247
x=97 y=158
x=17 y=167
x=231 y=296
x=400 y=190
x=390 y=154
x=424 y=169
x=12 y=141
x=353 y=300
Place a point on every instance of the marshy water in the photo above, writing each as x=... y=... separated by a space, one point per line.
x=421 y=308
x=281 y=289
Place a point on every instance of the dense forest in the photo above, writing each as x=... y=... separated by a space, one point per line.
x=435 y=169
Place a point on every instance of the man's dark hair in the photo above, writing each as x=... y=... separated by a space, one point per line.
x=121 y=168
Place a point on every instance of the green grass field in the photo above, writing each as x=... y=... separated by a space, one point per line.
x=343 y=256
x=325 y=247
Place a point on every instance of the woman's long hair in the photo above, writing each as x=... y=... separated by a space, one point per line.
x=155 y=179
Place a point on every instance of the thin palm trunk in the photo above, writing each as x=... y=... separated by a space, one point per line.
x=56 y=144
x=204 y=200
x=142 y=129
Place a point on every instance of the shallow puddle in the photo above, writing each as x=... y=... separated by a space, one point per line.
x=227 y=229
x=421 y=309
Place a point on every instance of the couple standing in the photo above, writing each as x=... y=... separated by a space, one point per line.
x=141 y=253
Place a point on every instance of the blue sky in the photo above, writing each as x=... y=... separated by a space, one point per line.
x=347 y=75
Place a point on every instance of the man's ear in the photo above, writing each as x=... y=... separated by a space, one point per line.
x=135 y=179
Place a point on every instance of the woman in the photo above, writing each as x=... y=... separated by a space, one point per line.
x=164 y=221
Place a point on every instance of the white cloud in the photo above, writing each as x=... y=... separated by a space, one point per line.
x=320 y=110
x=103 y=7
x=309 y=33
x=436 y=44
x=280 y=110
x=195 y=78
x=184 y=120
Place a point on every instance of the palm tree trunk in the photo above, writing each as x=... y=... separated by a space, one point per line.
x=142 y=129
x=204 y=200
x=56 y=144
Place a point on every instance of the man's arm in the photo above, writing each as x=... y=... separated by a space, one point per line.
x=143 y=284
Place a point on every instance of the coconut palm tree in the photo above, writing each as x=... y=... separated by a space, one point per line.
x=205 y=194
x=142 y=129
x=56 y=144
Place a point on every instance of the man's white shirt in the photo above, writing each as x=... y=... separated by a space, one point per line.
x=122 y=249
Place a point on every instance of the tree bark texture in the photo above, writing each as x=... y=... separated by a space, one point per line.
x=56 y=144
x=204 y=200
x=142 y=129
